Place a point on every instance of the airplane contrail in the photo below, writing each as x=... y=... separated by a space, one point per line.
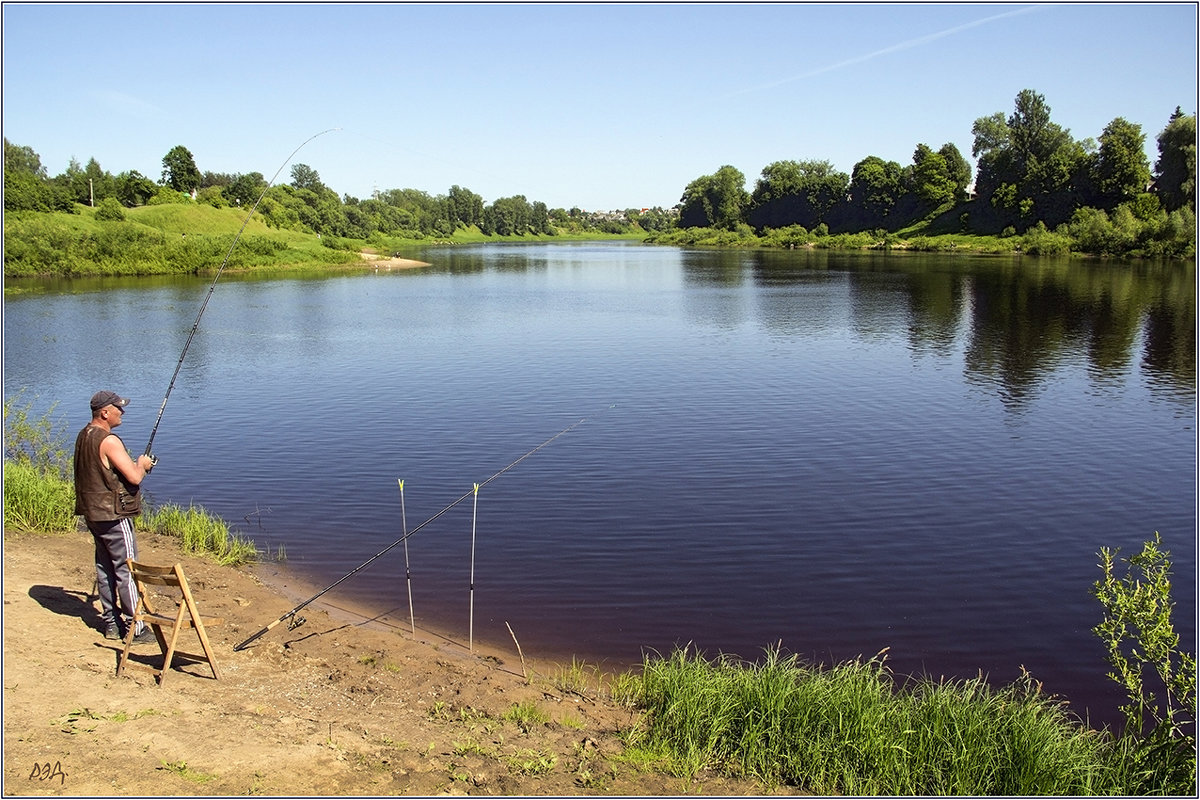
x=886 y=50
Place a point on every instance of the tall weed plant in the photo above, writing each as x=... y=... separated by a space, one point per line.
x=1143 y=649
x=37 y=441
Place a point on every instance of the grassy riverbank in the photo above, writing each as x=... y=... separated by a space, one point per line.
x=194 y=239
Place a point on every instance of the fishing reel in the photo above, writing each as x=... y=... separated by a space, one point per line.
x=295 y=622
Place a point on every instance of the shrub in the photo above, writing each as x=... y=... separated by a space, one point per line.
x=790 y=236
x=846 y=241
x=1091 y=230
x=166 y=195
x=110 y=210
x=930 y=244
x=1038 y=241
x=212 y=196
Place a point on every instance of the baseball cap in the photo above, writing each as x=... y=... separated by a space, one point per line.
x=102 y=399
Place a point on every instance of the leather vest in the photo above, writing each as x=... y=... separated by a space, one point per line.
x=101 y=493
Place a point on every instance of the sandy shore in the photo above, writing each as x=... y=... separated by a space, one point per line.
x=339 y=706
x=383 y=262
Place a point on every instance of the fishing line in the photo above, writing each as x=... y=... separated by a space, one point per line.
x=298 y=621
x=207 y=297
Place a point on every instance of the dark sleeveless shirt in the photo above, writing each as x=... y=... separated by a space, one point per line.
x=101 y=493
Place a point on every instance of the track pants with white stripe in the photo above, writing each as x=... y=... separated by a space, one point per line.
x=115 y=546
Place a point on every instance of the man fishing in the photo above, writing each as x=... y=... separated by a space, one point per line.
x=107 y=494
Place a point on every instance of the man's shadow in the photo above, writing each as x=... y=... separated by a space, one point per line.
x=68 y=603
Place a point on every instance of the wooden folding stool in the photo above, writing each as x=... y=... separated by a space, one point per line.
x=186 y=616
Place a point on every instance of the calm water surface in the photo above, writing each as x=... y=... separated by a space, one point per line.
x=839 y=452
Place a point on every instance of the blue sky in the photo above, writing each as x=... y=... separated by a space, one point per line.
x=603 y=106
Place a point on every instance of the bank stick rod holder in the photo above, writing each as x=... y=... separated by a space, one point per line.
x=471 y=616
x=412 y=620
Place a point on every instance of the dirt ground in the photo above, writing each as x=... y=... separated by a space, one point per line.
x=339 y=706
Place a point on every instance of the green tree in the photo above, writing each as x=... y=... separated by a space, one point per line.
x=179 y=170
x=781 y=179
x=1120 y=169
x=1175 y=169
x=463 y=207
x=816 y=182
x=73 y=181
x=384 y=217
x=796 y=193
x=957 y=169
x=26 y=187
x=133 y=189
x=109 y=209
x=244 y=190
x=100 y=183
x=650 y=219
x=210 y=178
x=507 y=216
x=22 y=158
x=992 y=150
x=715 y=201
x=1029 y=168
x=875 y=187
x=1034 y=137
x=539 y=219
x=931 y=180
x=305 y=177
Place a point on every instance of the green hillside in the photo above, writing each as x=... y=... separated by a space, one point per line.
x=157 y=240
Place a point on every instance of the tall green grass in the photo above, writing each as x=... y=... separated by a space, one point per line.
x=38 y=495
x=36 y=500
x=200 y=532
x=849 y=729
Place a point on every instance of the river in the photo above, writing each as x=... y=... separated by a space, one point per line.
x=838 y=452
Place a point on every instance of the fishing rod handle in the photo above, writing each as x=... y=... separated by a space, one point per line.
x=254 y=638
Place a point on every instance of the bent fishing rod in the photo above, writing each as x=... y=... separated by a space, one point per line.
x=298 y=621
x=208 y=296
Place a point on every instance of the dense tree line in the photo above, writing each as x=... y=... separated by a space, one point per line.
x=1032 y=178
x=1032 y=175
x=305 y=203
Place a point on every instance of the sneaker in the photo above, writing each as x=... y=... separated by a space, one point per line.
x=145 y=637
x=113 y=632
